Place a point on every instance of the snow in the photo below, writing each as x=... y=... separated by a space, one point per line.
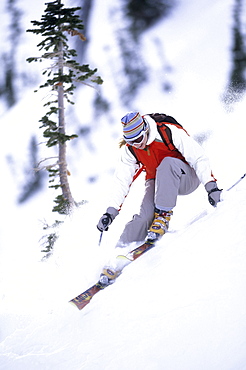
x=181 y=306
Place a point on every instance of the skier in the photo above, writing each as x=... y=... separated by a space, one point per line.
x=175 y=165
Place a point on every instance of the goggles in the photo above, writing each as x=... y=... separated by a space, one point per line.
x=139 y=140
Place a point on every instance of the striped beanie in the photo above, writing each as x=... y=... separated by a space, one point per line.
x=133 y=125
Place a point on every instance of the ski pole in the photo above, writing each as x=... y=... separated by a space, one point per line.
x=237 y=182
x=100 y=239
x=105 y=223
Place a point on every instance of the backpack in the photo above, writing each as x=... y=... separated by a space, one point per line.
x=164 y=131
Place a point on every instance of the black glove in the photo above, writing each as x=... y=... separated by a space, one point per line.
x=213 y=193
x=107 y=218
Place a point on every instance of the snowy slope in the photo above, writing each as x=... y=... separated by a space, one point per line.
x=181 y=306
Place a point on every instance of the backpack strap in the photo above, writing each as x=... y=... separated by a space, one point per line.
x=166 y=135
x=133 y=152
x=164 y=130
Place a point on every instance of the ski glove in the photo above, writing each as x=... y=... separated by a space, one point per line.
x=213 y=193
x=107 y=218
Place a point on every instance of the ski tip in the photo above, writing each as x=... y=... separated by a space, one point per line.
x=79 y=305
x=73 y=303
x=84 y=298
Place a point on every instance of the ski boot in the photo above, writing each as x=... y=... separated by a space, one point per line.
x=108 y=276
x=159 y=225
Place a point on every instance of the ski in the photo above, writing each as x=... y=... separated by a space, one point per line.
x=137 y=252
x=84 y=298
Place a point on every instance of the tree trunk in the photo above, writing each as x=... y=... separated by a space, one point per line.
x=63 y=173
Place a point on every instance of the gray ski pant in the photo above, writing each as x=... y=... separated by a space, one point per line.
x=173 y=178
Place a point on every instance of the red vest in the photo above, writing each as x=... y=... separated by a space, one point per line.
x=152 y=155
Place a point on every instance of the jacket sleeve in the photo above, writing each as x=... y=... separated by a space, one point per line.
x=123 y=177
x=193 y=153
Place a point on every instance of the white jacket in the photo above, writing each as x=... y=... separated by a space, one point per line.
x=128 y=166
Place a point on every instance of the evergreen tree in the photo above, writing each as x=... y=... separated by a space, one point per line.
x=237 y=79
x=55 y=25
x=10 y=73
x=145 y=13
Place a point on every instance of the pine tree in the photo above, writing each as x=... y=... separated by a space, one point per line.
x=12 y=77
x=237 y=78
x=55 y=25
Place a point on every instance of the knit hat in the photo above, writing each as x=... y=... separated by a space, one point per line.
x=133 y=125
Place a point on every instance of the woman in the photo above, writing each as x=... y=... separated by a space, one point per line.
x=175 y=165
